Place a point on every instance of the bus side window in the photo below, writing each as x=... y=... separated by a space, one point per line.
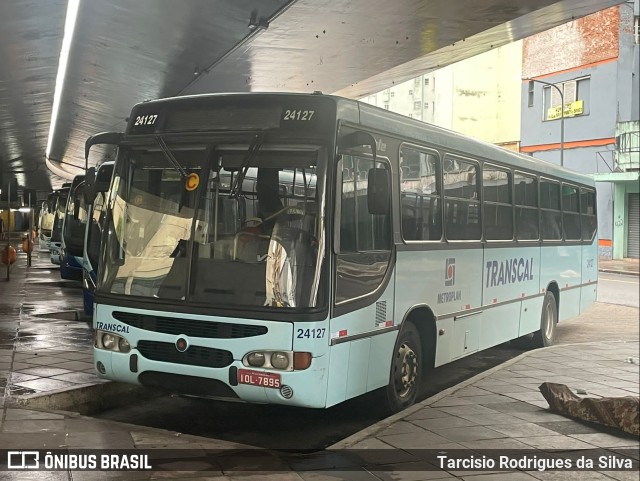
x=550 y=209
x=570 y=213
x=365 y=238
x=588 y=214
x=421 y=209
x=498 y=207
x=526 y=200
x=461 y=200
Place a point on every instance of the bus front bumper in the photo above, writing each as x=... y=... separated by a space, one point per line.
x=297 y=388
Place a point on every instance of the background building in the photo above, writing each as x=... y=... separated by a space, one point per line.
x=479 y=97
x=590 y=66
x=593 y=62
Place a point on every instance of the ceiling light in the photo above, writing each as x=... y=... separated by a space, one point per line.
x=69 y=28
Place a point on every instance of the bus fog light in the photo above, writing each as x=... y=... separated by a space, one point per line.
x=123 y=345
x=286 y=392
x=109 y=341
x=301 y=360
x=100 y=368
x=279 y=360
x=256 y=359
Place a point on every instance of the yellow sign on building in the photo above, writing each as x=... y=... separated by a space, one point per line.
x=570 y=110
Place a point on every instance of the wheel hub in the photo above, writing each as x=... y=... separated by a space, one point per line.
x=406 y=370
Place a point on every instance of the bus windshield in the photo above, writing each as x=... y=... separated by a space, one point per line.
x=196 y=234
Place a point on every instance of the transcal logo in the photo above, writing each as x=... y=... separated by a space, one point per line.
x=450 y=271
x=510 y=271
x=103 y=326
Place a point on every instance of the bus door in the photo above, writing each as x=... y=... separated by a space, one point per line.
x=362 y=333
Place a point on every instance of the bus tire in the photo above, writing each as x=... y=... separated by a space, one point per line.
x=549 y=318
x=406 y=370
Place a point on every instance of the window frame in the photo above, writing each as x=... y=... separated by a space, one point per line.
x=547 y=209
x=577 y=189
x=509 y=172
x=588 y=190
x=478 y=165
x=536 y=177
x=439 y=185
x=337 y=220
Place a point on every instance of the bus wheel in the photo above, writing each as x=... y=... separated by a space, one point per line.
x=406 y=370
x=546 y=335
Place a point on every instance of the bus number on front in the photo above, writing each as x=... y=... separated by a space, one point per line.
x=310 y=333
x=301 y=115
x=145 y=120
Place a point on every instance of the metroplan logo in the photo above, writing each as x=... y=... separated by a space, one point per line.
x=450 y=271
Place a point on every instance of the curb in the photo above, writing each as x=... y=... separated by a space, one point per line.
x=625 y=273
x=380 y=425
x=86 y=399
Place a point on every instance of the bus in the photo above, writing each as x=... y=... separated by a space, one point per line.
x=45 y=222
x=73 y=227
x=95 y=196
x=305 y=249
x=59 y=210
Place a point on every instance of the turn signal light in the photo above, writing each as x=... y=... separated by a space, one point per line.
x=301 y=360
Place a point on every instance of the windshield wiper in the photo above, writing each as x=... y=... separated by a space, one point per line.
x=255 y=145
x=169 y=155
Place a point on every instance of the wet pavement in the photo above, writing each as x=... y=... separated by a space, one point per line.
x=45 y=353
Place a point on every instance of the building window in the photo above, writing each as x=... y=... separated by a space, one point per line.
x=386 y=105
x=426 y=82
x=426 y=105
x=416 y=82
x=393 y=94
x=410 y=116
x=575 y=94
x=410 y=92
x=416 y=105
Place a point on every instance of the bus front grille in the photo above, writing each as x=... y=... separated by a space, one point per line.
x=196 y=386
x=189 y=327
x=194 y=356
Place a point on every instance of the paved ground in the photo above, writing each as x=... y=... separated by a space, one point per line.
x=500 y=409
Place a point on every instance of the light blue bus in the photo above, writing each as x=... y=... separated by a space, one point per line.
x=307 y=249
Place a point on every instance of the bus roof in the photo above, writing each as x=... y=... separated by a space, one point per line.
x=404 y=127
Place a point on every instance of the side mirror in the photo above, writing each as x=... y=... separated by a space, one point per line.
x=89 y=192
x=111 y=138
x=378 y=195
x=357 y=139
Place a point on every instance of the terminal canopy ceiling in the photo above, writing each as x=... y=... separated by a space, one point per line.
x=122 y=52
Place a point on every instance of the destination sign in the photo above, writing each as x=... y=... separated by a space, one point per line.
x=234 y=113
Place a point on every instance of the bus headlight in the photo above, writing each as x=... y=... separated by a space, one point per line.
x=256 y=359
x=279 y=360
x=111 y=342
x=123 y=345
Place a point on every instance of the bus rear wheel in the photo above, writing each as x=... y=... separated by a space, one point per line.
x=406 y=370
x=547 y=333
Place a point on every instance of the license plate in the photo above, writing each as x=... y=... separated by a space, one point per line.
x=258 y=378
